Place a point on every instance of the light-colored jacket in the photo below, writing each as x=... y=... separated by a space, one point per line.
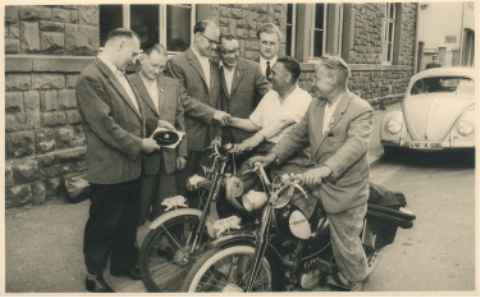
x=343 y=149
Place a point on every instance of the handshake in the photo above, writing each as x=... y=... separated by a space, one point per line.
x=224 y=118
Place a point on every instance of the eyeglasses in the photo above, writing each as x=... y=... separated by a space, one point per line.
x=211 y=41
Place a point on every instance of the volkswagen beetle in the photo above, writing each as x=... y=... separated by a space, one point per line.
x=437 y=113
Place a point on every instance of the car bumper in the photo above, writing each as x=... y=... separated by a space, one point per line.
x=429 y=145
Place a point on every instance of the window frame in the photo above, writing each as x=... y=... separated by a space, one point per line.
x=126 y=20
x=314 y=29
x=386 y=34
x=294 y=30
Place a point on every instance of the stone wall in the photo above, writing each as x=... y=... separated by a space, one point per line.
x=53 y=29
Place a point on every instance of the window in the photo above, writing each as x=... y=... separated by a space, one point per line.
x=171 y=25
x=389 y=32
x=319 y=30
x=290 y=36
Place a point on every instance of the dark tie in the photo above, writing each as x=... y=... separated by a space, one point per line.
x=268 y=70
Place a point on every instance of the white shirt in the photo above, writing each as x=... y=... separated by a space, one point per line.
x=271 y=109
x=123 y=81
x=205 y=64
x=152 y=89
x=328 y=113
x=228 y=74
x=263 y=64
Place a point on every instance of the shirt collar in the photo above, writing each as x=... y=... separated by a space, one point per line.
x=272 y=60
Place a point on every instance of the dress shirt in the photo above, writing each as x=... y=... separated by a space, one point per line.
x=328 y=113
x=152 y=89
x=272 y=109
x=123 y=81
x=263 y=64
x=205 y=64
x=228 y=74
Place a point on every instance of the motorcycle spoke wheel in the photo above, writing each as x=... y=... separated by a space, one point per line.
x=228 y=270
x=164 y=255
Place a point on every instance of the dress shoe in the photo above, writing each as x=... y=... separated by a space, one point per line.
x=97 y=285
x=135 y=273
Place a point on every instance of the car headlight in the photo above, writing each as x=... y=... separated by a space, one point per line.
x=254 y=200
x=465 y=128
x=393 y=126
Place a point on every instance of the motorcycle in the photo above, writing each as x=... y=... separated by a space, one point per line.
x=289 y=249
x=180 y=233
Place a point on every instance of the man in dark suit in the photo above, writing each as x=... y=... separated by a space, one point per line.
x=243 y=85
x=114 y=128
x=164 y=98
x=200 y=77
x=269 y=37
x=337 y=128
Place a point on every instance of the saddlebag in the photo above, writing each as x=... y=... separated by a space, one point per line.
x=385 y=213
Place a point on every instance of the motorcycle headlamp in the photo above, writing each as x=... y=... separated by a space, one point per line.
x=254 y=200
x=233 y=187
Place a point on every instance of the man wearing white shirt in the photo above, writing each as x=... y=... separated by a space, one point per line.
x=269 y=36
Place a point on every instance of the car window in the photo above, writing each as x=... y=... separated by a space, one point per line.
x=459 y=85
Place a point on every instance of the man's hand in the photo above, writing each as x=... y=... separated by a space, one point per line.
x=249 y=143
x=264 y=160
x=222 y=117
x=165 y=125
x=181 y=163
x=315 y=176
x=149 y=145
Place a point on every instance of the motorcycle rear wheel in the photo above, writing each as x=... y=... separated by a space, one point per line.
x=164 y=254
x=208 y=272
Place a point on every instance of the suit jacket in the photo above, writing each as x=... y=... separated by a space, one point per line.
x=201 y=101
x=249 y=85
x=113 y=127
x=343 y=150
x=170 y=104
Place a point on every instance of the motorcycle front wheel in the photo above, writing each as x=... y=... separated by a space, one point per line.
x=165 y=254
x=228 y=270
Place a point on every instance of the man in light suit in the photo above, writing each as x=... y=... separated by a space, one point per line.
x=115 y=131
x=164 y=100
x=269 y=37
x=243 y=85
x=200 y=77
x=337 y=127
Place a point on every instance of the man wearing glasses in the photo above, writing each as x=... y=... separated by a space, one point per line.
x=200 y=77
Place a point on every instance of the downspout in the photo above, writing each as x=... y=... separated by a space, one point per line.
x=415 y=56
x=462 y=24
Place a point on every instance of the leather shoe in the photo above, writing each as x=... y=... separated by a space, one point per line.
x=97 y=285
x=135 y=273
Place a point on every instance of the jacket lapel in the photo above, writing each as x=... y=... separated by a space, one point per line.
x=340 y=110
x=138 y=84
x=117 y=86
x=192 y=59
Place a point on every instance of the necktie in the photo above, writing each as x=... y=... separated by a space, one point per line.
x=268 y=70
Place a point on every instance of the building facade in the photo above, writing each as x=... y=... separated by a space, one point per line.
x=47 y=47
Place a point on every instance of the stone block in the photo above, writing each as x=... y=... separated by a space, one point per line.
x=55 y=118
x=72 y=80
x=18 y=82
x=67 y=99
x=9 y=179
x=51 y=171
x=61 y=15
x=29 y=37
x=18 y=196
x=45 y=140
x=32 y=119
x=48 y=81
x=49 y=100
x=31 y=101
x=46 y=160
x=26 y=171
x=64 y=137
x=48 y=26
x=35 y=12
x=54 y=186
x=73 y=117
x=88 y=15
x=71 y=155
x=39 y=193
x=12 y=46
x=81 y=39
x=11 y=14
x=52 y=42
x=13 y=102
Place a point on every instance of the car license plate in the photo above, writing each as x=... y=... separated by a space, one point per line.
x=425 y=145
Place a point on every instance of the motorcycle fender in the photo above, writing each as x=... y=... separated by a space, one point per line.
x=162 y=219
x=246 y=238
